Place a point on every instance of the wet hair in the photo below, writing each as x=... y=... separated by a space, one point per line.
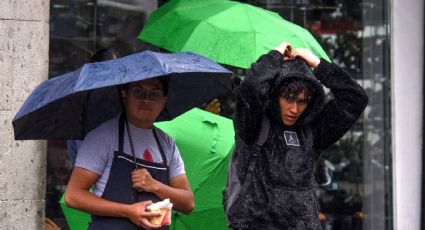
x=292 y=88
x=104 y=55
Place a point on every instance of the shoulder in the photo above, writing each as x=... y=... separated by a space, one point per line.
x=108 y=129
x=164 y=137
x=98 y=146
x=107 y=126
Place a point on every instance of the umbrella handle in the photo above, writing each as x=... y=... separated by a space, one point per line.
x=119 y=89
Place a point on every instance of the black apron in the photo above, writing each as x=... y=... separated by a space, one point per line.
x=119 y=187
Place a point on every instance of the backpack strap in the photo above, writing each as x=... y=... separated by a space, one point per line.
x=264 y=132
x=256 y=148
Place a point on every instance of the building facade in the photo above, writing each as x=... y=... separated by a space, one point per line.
x=24 y=46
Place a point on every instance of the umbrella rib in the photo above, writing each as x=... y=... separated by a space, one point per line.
x=157 y=60
x=184 y=46
x=252 y=28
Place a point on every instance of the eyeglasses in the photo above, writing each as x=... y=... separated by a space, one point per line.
x=141 y=94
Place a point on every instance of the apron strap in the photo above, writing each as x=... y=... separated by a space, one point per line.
x=121 y=140
x=161 y=150
x=121 y=134
x=122 y=122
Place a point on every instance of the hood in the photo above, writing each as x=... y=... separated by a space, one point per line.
x=296 y=69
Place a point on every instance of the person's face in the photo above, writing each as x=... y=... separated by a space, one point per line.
x=144 y=101
x=291 y=109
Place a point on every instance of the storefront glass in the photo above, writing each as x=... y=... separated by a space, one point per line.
x=357 y=190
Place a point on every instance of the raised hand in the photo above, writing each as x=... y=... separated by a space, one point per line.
x=286 y=49
x=311 y=59
x=213 y=106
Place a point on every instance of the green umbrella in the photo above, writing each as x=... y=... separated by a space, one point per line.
x=205 y=141
x=77 y=220
x=225 y=31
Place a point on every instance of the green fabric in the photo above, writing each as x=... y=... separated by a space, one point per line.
x=225 y=31
x=77 y=220
x=205 y=142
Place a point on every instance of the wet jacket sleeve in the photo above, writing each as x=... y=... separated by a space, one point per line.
x=251 y=95
x=340 y=113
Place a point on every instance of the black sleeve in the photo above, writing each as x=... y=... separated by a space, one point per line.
x=339 y=114
x=251 y=95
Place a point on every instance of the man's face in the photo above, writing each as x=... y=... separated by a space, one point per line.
x=291 y=109
x=144 y=101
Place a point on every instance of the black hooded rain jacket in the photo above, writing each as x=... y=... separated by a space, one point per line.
x=282 y=192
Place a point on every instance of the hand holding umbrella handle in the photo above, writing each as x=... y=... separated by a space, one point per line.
x=213 y=106
x=143 y=181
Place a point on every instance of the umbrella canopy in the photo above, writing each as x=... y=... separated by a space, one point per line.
x=205 y=141
x=206 y=161
x=71 y=105
x=225 y=31
x=76 y=219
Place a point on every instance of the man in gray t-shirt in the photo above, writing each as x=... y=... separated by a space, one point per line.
x=97 y=151
x=107 y=162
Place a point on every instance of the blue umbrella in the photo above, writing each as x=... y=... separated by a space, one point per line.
x=69 y=106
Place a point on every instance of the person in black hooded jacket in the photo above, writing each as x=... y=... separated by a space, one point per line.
x=282 y=86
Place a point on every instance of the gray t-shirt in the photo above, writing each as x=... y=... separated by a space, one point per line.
x=97 y=150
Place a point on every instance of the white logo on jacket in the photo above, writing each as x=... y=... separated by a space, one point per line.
x=291 y=138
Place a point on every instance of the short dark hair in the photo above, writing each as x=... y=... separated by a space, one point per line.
x=104 y=55
x=164 y=82
x=291 y=88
